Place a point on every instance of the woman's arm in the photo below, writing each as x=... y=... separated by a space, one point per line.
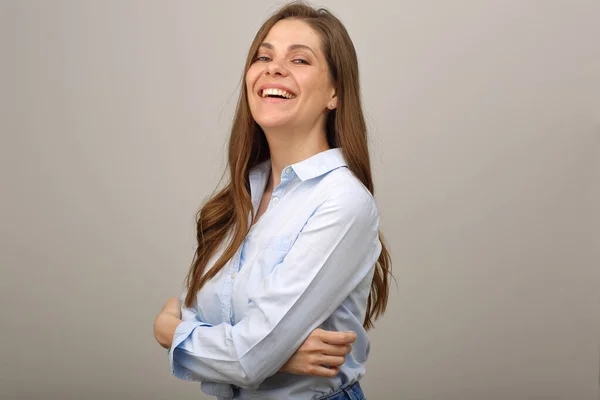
x=167 y=321
x=321 y=348
x=336 y=249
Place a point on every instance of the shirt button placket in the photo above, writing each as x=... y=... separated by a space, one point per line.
x=285 y=178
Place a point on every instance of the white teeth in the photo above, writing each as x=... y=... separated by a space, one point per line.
x=276 y=92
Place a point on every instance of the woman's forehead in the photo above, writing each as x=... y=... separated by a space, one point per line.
x=292 y=32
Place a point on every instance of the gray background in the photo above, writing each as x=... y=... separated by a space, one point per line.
x=485 y=133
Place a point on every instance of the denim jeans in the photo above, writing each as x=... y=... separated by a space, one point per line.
x=351 y=392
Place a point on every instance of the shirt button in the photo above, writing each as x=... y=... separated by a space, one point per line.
x=233 y=275
x=275 y=200
x=288 y=170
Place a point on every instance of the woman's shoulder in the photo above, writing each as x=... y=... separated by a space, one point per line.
x=341 y=185
x=342 y=180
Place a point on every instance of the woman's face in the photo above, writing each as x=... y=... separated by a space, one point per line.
x=288 y=82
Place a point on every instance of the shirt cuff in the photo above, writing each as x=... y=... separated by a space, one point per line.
x=182 y=332
x=219 y=390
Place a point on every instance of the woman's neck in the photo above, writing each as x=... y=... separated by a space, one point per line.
x=287 y=148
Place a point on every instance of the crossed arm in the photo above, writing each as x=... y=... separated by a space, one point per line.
x=335 y=250
x=321 y=353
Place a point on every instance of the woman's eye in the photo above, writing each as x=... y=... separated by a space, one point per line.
x=299 y=61
x=262 y=58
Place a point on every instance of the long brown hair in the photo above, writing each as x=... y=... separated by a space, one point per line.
x=223 y=220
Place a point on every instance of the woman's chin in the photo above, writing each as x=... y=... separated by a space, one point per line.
x=272 y=122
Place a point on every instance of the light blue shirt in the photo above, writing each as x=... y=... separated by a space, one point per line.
x=307 y=263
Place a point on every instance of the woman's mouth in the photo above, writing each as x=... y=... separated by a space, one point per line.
x=276 y=93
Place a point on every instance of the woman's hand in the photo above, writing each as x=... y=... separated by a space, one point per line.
x=166 y=322
x=321 y=354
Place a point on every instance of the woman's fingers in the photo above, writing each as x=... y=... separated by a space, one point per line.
x=332 y=361
x=319 y=370
x=337 y=338
x=321 y=354
x=330 y=342
x=333 y=350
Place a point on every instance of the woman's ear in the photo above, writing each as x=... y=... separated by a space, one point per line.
x=333 y=102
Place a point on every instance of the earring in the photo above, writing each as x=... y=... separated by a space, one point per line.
x=331 y=106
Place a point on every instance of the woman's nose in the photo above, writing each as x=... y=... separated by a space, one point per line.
x=276 y=68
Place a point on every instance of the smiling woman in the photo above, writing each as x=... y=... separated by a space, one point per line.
x=291 y=269
x=287 y=68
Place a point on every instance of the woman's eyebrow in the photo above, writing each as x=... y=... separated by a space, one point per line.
x=290 y=47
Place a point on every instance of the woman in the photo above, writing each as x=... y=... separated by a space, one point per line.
x=289 y=255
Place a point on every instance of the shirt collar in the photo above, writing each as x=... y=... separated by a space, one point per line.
x=314 y=166
x=319 y=164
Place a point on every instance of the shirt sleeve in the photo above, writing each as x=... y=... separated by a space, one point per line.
x=335 y=250
x=190 y=320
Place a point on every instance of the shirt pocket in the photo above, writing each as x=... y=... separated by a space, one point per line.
x=282 y=243
x=272 y=253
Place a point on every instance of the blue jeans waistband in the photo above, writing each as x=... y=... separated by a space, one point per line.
x=350 y=392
